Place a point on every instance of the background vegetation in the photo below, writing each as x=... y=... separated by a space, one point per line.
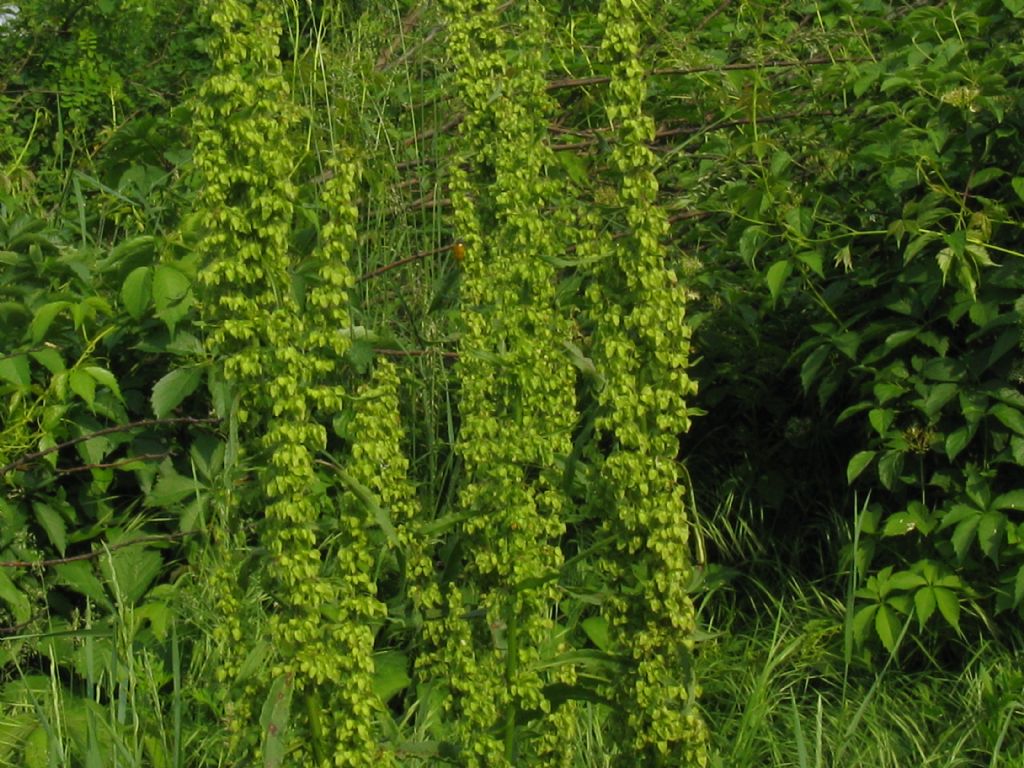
x=290 y=478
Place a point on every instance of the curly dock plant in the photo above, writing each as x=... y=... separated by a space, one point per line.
x=517 y=387
x=641 y=350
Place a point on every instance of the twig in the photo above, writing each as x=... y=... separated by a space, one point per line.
x=402 y=262
x=29 y=458
x=112 y=464
x=707 y=19
x=96 y=552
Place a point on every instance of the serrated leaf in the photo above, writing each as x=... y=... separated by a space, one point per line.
x=990 y=529
x=53 y=525
x=173 y=388
x=1017 y=182
x=905 y=580
x=49 y=359
x=132 y=569
x=938 y=396
x=83 y=385
x=15 y=370
x=776 y=276
x=963 y=535
x=21 y=610
x=899 y=524
x=106 y=378
x=44 y=317
x=170 y=487
x=862 y=620
x=949 y=606
x=887 y=626
x=924 y=605
x=136 y=291
x=79 y=576
x=1012 y=500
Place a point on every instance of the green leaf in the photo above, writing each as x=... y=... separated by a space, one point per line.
x=49 y=359
x=812 y=364
x=596 y=628
x=44 y=318
x=1012 y=500
x=169 y=285
x=938 y=396
x=173 y=388
x=106 y=378
x=53 y=524
x=924 y=605
x=1009 y=416
x=170 y=487
x=887 y=625
x=862 y=620
x=274 y=721
x=132 y=569
x=83 y=385
x=15 y=370
x=1018 y=587
x=963 y=535
x=776 y=277
x=889 y=468
x=990 y=530
x=10 y=594
x=390 y=674
x=1018 y=182
x=79 y=576
x=949 y=606
x=136 y=291
x=957 y=440
x=858 y=464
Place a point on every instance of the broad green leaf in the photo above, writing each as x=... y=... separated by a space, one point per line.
x=858 y=464
x=811 y=365
x=990 y=531
x=170 y=487
x=938 y=396
x=49 y=359
x=131 y=570
x=83 y=385
x=173 y=388
x=776 y=277
x=135 y=293
x=881 y=419
x=889 y=468
x=44 y=318
x=1012 y=500
x=169 y=285
x=79 y=576
x=53 y=524
x=957 y=440
x=963 y=535
x=15 y=598
x=390 y=674
x=899 y=524
x=1017 y=182
x=1009 y=416
x=15 y=370
x=596 y=628
x=905 y=580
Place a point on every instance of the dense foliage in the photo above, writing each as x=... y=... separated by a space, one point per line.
x=349 y=364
